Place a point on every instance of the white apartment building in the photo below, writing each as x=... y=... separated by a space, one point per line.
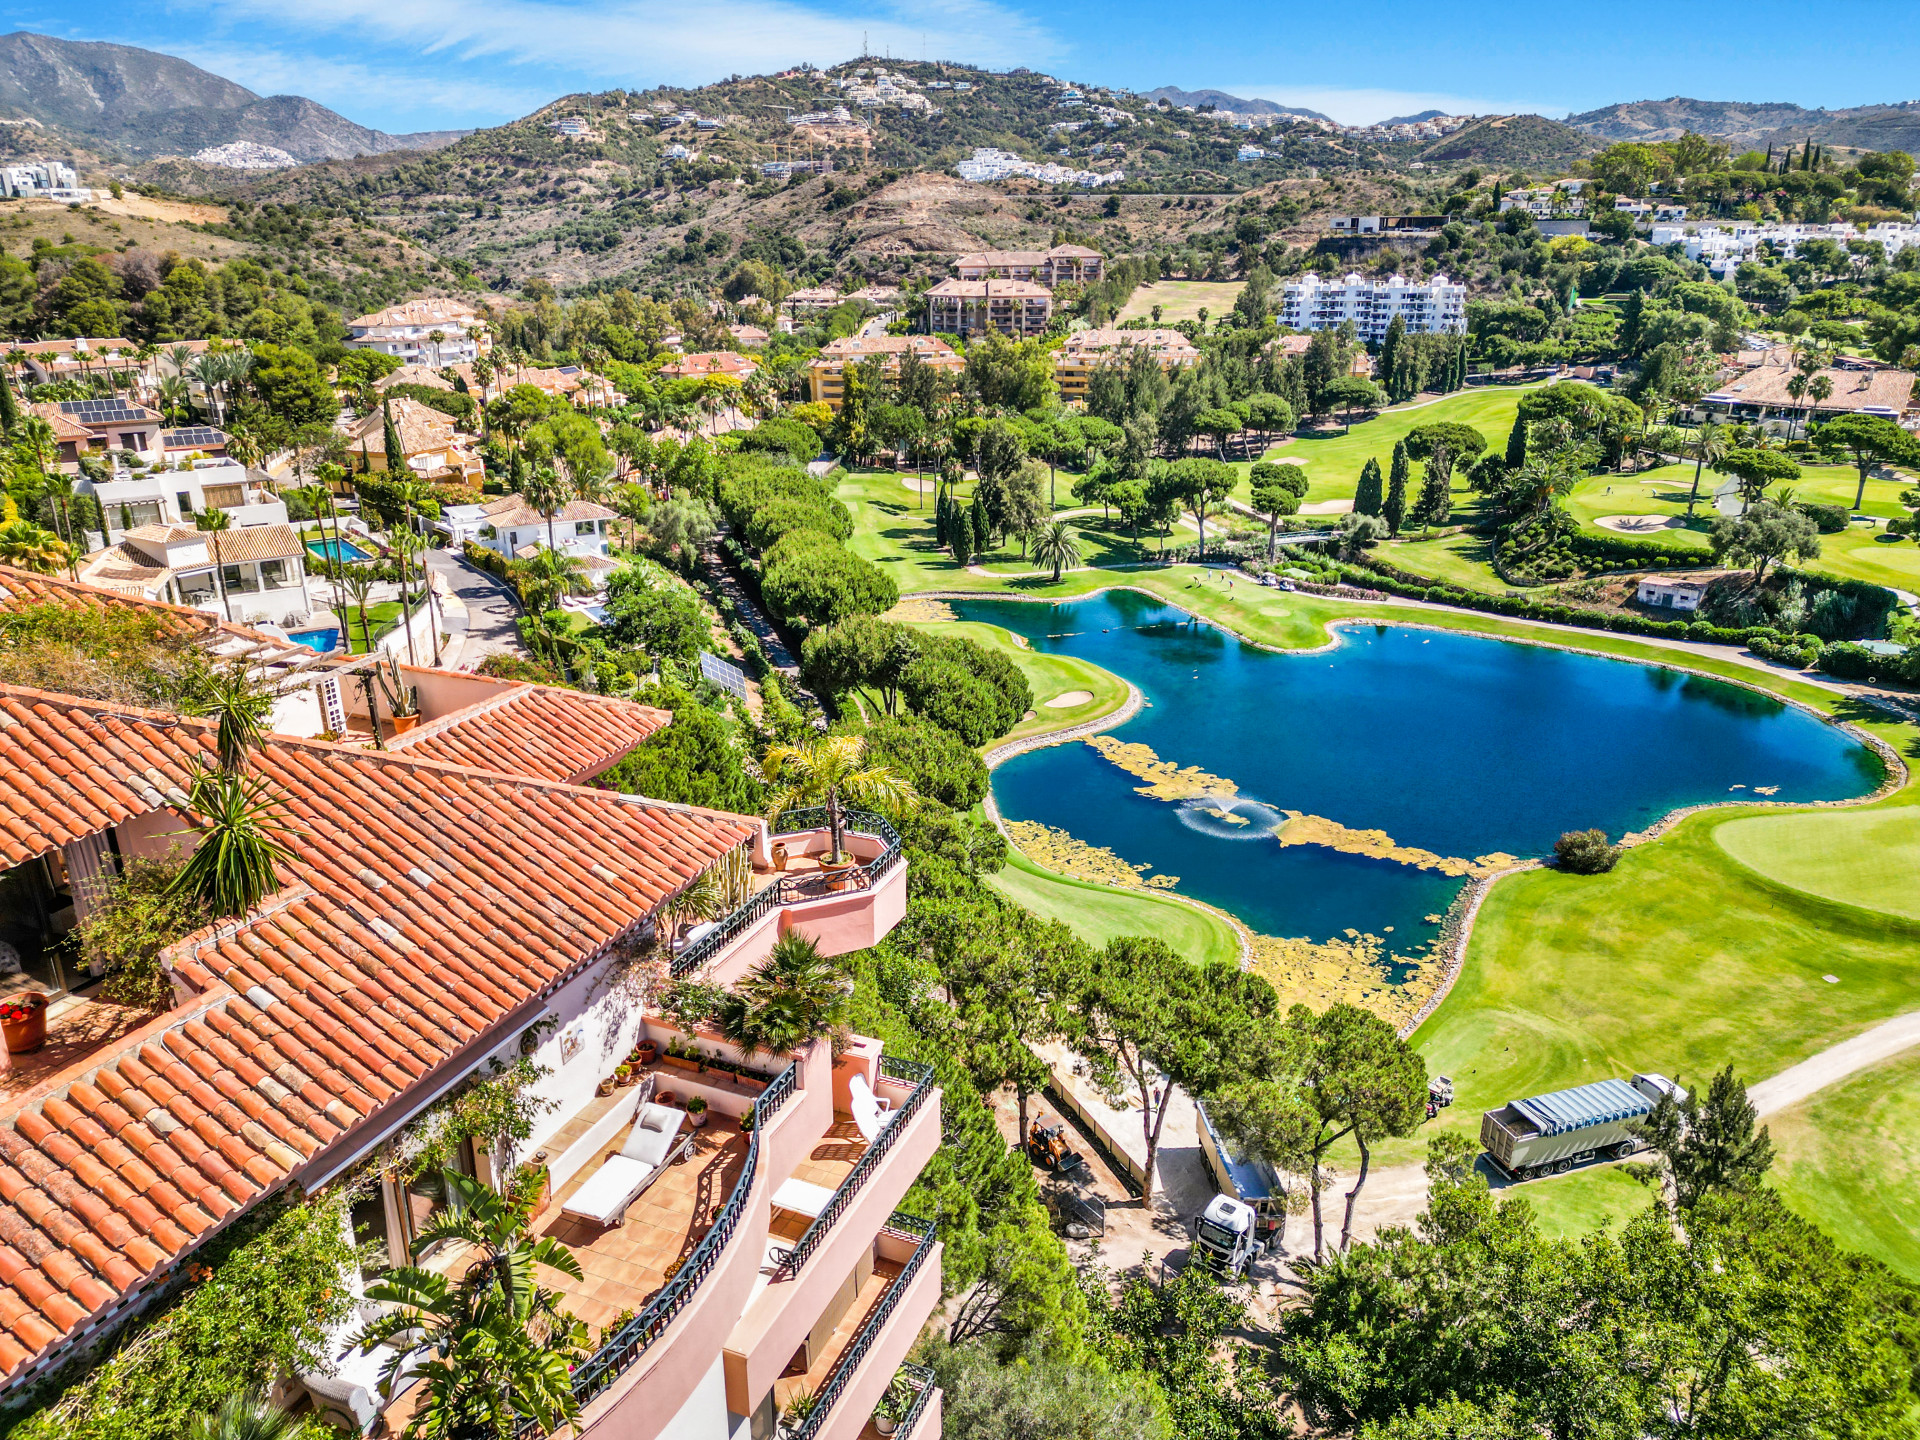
x=436 y=333
x=42 y=180
x=1563 y=197
x=1439 y=306
x=1725 y=246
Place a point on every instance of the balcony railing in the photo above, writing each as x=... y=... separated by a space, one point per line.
x=910 y=1227
x=922 y=1380
x=920 y=1077
x=792 y=889
x=631 y=1340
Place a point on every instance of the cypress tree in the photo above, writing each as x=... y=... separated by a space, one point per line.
x=979 y=530
x=962 y=528
x=1391 y=355
x=1367 y=497
x=1394 y=510
x=396 y=457
x=9 y=411
x=1436 y=493
x=1517 y=444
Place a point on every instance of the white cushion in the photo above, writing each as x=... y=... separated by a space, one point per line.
x=605 y=1197
x=652 y=1135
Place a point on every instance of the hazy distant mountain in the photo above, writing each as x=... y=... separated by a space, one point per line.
x=1751 y=125
x=146 y=104
x=1414 y=119
x=1521 y=141
x=1220 y=100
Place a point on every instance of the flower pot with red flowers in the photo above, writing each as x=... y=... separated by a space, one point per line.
x=23 y=1020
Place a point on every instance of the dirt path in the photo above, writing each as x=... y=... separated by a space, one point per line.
x=1395 y=1195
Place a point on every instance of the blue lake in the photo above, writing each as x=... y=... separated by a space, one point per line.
x=1454 y=744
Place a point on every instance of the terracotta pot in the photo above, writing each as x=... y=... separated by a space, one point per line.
x=604 y=1088
x=664 y=1097
x=646 y=1052
x=403 y=723
x=623 y=1081
x=26 y=1036
x=779 y=857
x=837 y=873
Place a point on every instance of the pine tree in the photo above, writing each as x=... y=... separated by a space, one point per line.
x=1517 y=444
x=1367 y=498
x=1394 y=511
x=1436 y=493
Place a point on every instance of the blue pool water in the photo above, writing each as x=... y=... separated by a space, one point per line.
x=325 y=641
x=343 y=550
x=1450 y=743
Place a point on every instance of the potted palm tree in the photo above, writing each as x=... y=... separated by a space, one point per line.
x=833 y=771
x=795 y=995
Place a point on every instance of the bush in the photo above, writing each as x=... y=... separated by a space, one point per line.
x=1585 y=852
x=966 y=688
x=135 y=920
x=784 y=514
x=1831 y=519
x=935 y=761
x=810 y=580
x=1856 y=662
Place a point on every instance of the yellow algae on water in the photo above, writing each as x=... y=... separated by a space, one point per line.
x=1165 y=779
x=1350 y=971
x=1066 y=854
x=1229 y=816
x=1300 y=829
x=921 y=612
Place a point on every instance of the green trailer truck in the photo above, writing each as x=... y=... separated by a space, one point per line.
x=1550 y=1134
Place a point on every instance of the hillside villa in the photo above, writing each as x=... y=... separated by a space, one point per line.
x=433 y=445
x=1085 y=350
x=425 y=332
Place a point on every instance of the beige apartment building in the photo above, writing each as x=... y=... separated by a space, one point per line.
x=1058 y=266
x=1075 y=361
x=973 y=307
x=826 y=376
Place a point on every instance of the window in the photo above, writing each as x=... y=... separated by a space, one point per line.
x=585 y=527
x=276 y=575
x=196 y=589
x=240 y=579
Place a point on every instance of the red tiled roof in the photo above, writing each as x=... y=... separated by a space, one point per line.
x=20 y=588
x=426 y=911
x=537 y=730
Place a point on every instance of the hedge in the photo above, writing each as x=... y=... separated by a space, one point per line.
x=1846 y=661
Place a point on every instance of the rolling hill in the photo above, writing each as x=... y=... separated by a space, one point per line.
x=145 y=104
x=1746 y=125
x=1220 y=100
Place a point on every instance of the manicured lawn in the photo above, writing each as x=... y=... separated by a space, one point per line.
x=1465 y=560
x=1334 y=462
x=382 y=617
x=1101 y=912
x=1573 y=1205
x=1849 y=1160
x=1049 y=676
x=1182 y=300
x=1679 y=961
x=1870 y=860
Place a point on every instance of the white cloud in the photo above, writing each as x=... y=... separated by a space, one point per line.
x=1369 y=107
x=636 y=44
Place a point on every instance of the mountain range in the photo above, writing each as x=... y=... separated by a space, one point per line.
x=1220 y=100
x=1749 y=125
x=145 y=104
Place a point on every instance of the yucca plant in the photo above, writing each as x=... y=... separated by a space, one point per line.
x=236 y=864
x=248 y=1417
x=240 y=706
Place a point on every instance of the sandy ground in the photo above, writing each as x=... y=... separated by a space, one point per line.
x=141 y=207
x=1327 y=507
x=1067 y=699
x=1640 y=524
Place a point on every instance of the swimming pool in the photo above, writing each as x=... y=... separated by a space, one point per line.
x=344 y=550
x=325 y=641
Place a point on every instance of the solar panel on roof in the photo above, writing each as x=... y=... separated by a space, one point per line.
x=724 y=675
x=93 y=412
x=193 y=437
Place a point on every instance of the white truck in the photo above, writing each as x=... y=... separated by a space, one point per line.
x=1224 y=1237
x=1550 y=1134
x=1250 y=1192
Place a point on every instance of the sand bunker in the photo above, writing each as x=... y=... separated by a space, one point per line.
x=1640 y=524
x=1067 y=699
x=1327 y=507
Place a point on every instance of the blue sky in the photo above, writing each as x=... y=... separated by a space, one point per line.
x=405 y=65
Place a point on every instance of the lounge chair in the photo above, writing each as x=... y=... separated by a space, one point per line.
x=870 y=1112
x=651 y=1146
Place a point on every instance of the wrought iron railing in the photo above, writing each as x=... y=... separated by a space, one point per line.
x=909 y=1072
x=792 y=889
x=911 y=1227
x=631 y=1340
x=921 y=1379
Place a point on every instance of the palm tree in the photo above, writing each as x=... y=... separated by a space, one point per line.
x=795 y=995
x=1709 y=447
x=214 y=521
x=26 y=545
x=1056 y=546
x=1818 y=389
x=551 y=574
x=240 y=705
x=1797 y=389
x=358 y=584
x=247 y=1417
x=831 y=771
x=496 y=1344
x=235 y=865
x=546 y=491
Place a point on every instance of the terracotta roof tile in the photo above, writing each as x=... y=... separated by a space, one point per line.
x=352 y=987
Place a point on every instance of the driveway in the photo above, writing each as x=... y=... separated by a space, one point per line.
x=491 y=608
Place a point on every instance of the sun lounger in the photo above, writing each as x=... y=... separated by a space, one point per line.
x=803 y=1197
x=870 y=1112
x=651 y=1146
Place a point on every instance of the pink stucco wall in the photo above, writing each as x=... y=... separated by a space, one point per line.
x=839 y=924
x=855 y=1405
x=785 y=1311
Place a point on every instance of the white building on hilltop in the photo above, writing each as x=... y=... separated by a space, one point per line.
x=1724 y=246
x=1437 y=307
x=436 y=333
x=42 y=180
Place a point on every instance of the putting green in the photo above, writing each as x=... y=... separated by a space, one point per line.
x=1867 y=859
